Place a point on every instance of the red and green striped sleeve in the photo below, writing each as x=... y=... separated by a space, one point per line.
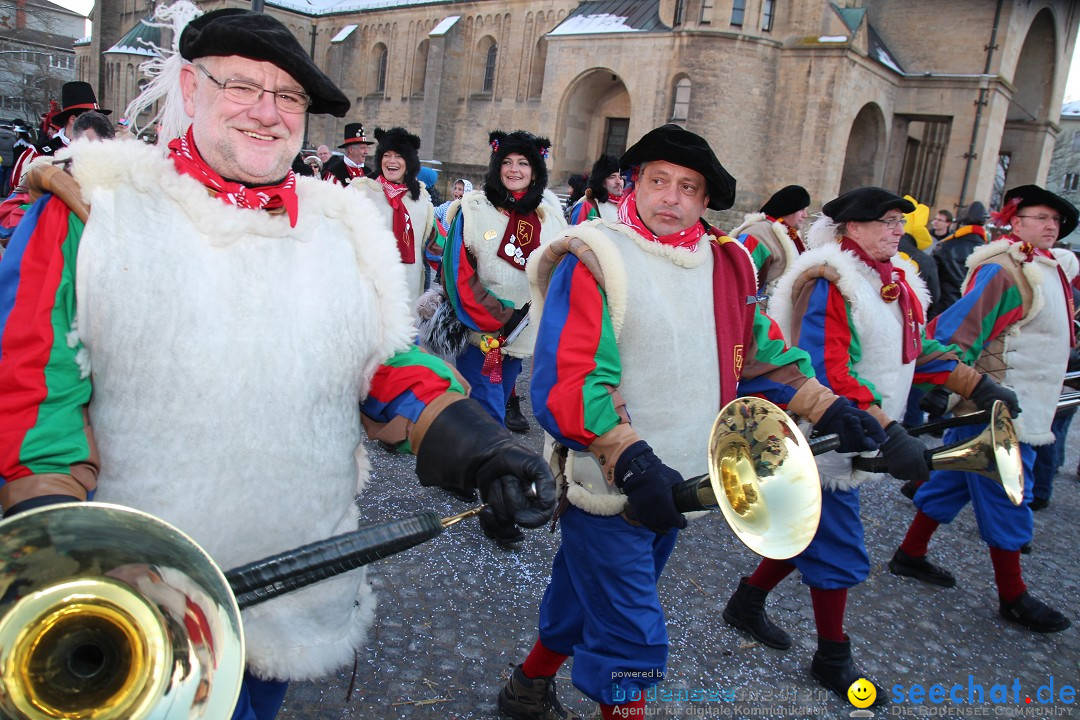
x=576 y=361
x=43 y=390
x=989 y=305
x=760 y=254
x=826 y=331
x=477 y=307
x=583 y=211
x=773 y=369
x=405 y=384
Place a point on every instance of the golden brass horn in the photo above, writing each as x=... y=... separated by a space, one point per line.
x=762 y=476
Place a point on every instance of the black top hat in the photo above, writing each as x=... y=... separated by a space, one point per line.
x=1029 y=195
x=677 y=146
x=233 y=31
x=354 y=133
x=75 y=98
x=865 y=204
x=786 y=200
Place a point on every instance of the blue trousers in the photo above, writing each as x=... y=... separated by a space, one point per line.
x=602 y=607
x=1048 y=458
x=259 y=699
x=1001 y=524
x=490 y=395
x=836 y=558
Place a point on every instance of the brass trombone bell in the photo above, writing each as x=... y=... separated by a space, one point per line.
x=764 y=478
x=107 y=613
x=994 y=453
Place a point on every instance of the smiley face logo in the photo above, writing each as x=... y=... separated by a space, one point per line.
x=862 y=693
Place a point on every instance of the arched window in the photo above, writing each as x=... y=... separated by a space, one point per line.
x=378 y=57
x=536 y=77
x=419 y=69
x=489 y=68
x=680 y=104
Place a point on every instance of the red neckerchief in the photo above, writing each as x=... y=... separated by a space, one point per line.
x=791 y=233
x=403 y=227
x=613 y=198
x=1030 y=251
x=894 y=287
x=628 y=215
x=187 y=161
x=521 y=237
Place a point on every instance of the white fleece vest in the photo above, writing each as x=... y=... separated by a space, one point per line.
x=880 y=331
x=483 y=232
x=229 y=353
x=774 y=235
x=666 y=332
x=422 y=214
x=1036 y=348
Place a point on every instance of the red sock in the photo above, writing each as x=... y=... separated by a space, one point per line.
x=829 y=613
x=542 y=662
x=769 y=574
x=1007 y=573
x=635 y=709
x=918 y=535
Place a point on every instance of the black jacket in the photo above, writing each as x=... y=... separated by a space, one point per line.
x=951 y=255
x=927 y=271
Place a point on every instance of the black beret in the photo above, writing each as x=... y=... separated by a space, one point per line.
x=677 y=146
x=787 y=200
x=232 y=31
x=865 y=204
x=1030 y=195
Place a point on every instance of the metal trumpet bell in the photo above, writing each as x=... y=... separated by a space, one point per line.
x=763 y=475
x=993 y=453
x=107 y=613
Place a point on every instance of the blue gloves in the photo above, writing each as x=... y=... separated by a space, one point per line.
x=858 y=430
x=647 y=484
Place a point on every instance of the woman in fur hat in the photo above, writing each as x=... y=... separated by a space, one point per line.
x=402 y=199
x=492 y=233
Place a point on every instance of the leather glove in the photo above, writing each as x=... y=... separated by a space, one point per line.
x=988 y=390
x=466 y=448
x=858 y=430
x=935 y=403
x=36 y=502
x=647 y=484
x=515 y=319
x=905 y=455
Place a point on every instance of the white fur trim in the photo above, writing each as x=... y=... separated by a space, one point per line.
x=1068 y=262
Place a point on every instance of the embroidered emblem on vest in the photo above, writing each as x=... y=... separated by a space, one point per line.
x=738 y=360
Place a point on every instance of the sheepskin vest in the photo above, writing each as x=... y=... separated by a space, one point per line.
x=483 y=232
x=782 y=251
x=666 y=334
x=878 y=326
x=608 y=211
x=422 y=214
x=229 y=354
x=1031 y=356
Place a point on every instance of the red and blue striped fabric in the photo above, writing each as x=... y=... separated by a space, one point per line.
x=476 y=307
x=774 y=370
x=42 y=393
x=583 y=211
x=406 y=383
x=990 y=304
x=759 y=253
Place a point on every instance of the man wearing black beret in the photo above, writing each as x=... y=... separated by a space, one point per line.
x=637 y=318
x=241 y=324
x=772 y=235
x=1015 y=322
x=858 y=310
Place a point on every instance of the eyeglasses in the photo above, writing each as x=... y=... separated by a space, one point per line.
x=892 y=222
x=1056 y=219
x=246 y=93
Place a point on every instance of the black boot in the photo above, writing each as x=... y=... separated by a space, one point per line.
x=832 y=667
x=515 y=420
x=1034 y=614
x=746 y=611
x=532 y=699
x=921 y=569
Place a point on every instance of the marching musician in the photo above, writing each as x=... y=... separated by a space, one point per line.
x=236 y=325
x=772 y=235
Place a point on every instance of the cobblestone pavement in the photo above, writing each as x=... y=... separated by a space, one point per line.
x=456 y=612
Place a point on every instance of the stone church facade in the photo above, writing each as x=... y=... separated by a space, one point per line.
x=949 y=101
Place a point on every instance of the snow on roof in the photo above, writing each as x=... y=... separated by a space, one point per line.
x=612 y=16
x=444 y=26
x=330 y=7
x=1071 y=109
x=589 y=24
x=139 y=40
x=344 y=33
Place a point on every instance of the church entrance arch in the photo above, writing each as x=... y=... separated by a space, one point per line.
x=864 y=159
x=594 y=117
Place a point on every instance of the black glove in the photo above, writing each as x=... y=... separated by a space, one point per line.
x=858 y=430
x=905 y=456
x=466 y=448
x=515 y=319
x=987 y=391
x=935 y=403
x=36 y=502
x=647 y=483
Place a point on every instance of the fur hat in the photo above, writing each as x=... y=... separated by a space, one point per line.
x=974 y=214
x=787 y=200
x=233 y=31
x=535 y=149
x=865 y=204
x=604 y=166
x=677 y=146
x=407 y=146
